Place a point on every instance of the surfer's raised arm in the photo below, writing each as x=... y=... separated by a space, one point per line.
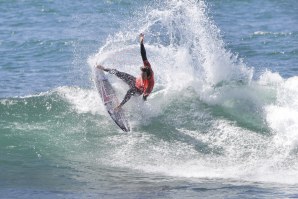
x=143 y=52
x=147 y=77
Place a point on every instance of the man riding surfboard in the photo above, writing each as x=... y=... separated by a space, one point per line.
x=137 y=86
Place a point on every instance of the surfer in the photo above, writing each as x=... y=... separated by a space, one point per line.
x=137 y=86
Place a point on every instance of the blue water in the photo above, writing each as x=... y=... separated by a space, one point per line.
x=221 y=123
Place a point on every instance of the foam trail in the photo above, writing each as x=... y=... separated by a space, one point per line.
x=282 y=116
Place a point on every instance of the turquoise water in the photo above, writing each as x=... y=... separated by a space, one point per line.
x=221 y=122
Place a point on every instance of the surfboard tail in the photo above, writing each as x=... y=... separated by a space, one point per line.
x=110 y=100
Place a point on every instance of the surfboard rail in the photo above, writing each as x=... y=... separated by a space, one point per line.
x=110 y=100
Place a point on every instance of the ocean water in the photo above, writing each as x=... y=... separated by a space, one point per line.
x=222 y=121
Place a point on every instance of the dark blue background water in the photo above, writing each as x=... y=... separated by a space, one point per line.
x=264 y=33
x=48 y=42
x=45 y=44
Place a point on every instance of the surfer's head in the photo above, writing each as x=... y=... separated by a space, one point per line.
x=146 y=73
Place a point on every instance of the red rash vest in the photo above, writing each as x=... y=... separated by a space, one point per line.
x=146 y=86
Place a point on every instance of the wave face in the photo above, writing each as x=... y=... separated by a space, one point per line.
x=208 y=117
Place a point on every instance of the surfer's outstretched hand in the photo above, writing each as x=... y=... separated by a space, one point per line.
x=141 y=37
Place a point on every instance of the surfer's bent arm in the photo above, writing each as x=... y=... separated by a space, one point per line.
x=147 y=91
x=148 y=88
x=145 y=95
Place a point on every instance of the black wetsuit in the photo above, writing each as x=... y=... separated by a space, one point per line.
x=130 y=81
x=143 y=52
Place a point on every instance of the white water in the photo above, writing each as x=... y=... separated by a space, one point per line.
x=187 y=53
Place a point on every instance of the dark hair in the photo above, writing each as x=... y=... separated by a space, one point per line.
x=147 y=70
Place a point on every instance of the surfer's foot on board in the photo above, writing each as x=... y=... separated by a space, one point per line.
x=117 y=108
x=100 y=67
x=103 y=68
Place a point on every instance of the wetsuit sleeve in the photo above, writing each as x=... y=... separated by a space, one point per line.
x=144 y=56
x=143 y=52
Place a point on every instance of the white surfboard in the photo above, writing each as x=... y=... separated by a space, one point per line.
x=110 y=100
